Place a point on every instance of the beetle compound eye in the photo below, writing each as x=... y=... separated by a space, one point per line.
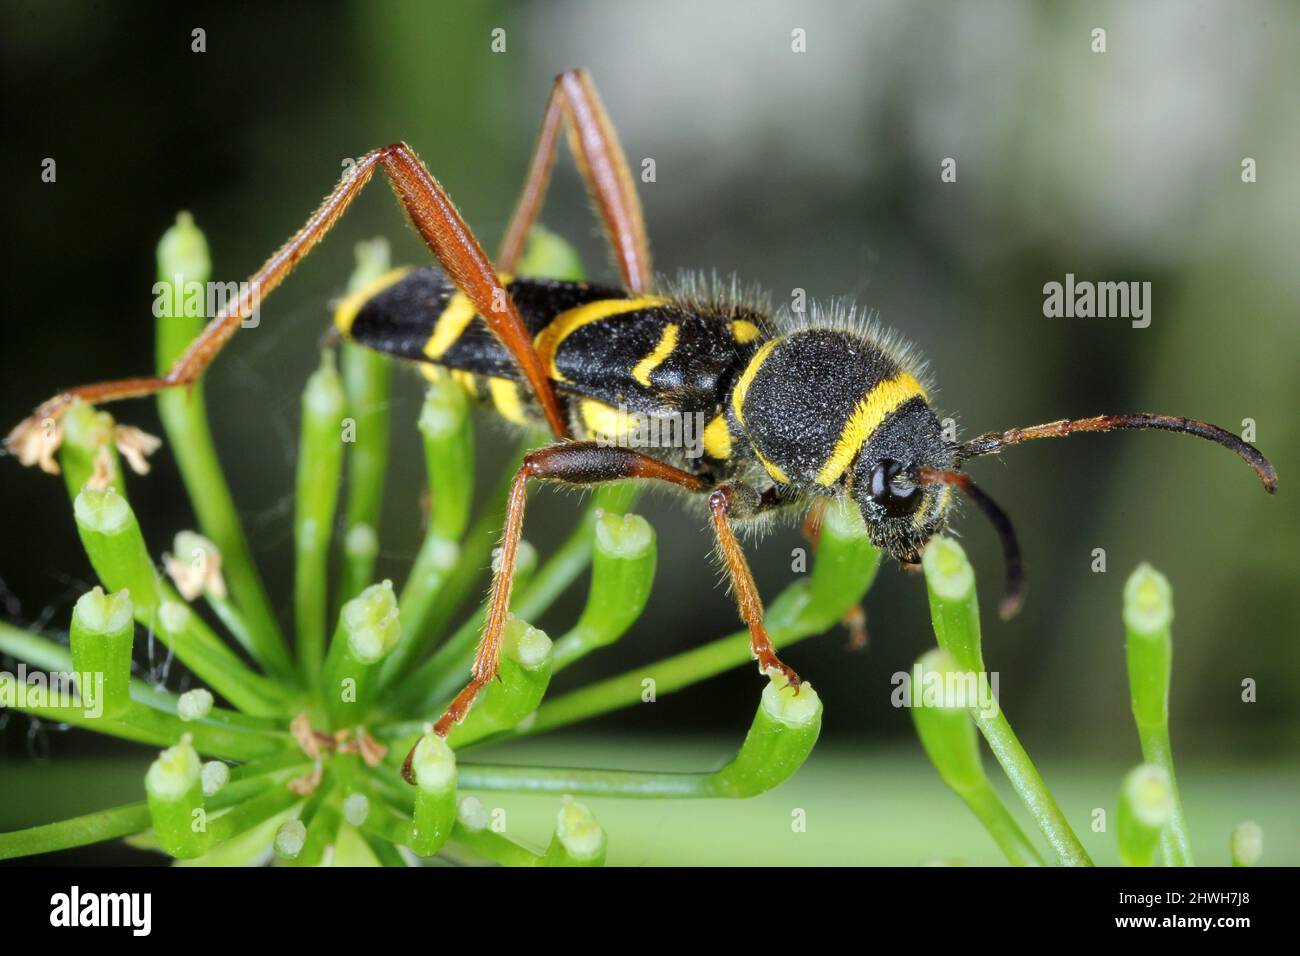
x=899 y=499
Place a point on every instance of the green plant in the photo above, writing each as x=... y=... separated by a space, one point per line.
x=301 y=760
x=1150 y=824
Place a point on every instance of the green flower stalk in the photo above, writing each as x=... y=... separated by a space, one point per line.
x=116 y=547
x=321 y=819
x=149 y=715
x=954 y=613
x=448 y=433
x=367 y=377
x=845 y=566
x=948 y=735
x=250 y=813
x=622 y=574
x=781 y=737
x=89 y=449
x=174 y=785
x=1148 y=613
x=194 y=567
x=77 y=831
x=525 y=671
x=1145 y=808
x=551 y=257
x=433 y=766
x=117 y=552
x=320 y=464
x=784 y=731
x=182 y=309
x=954 y=605
x=579 y=840
x=435 y=681
x=1247 y=844
x=146 y=724
x=472 y=835
x=360 y=550
x=369 y=628
x=101 y=638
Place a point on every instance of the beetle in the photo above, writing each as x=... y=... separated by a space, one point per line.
x=796 y=410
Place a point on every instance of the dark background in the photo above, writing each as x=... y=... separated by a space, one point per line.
x=817 y=170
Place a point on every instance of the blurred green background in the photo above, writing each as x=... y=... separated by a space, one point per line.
x=816 y=170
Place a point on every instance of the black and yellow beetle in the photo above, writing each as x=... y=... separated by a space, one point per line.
x=791 y=411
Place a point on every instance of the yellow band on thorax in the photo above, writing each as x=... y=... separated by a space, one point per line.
x=865 y=419
x=747 y=378
x=775 y=471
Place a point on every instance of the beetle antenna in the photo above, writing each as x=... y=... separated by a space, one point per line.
x=1014 y=595
x=993 y=442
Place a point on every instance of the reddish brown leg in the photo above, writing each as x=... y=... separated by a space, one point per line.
x=575 y=103
x=574 y=463
x=742 y=582
x=438 y=223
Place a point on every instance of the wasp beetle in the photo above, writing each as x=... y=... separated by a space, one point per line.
x=795 y=411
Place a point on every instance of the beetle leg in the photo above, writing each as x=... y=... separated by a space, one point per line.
x=722 y=501
x=437 y=221
x=575 y=103
x=574 y=463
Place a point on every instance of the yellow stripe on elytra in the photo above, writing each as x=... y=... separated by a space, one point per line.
x=505 y=396
x=455 y=319
x=717 y=439
x=451 y=325
x=667 y=342
x=547 y=342
x=747 y=378
x=865 y=419
x=346 y=311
